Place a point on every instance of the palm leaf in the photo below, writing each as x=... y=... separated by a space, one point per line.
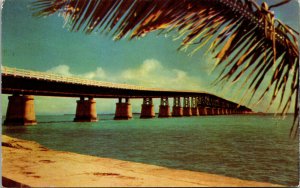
x=250 y=42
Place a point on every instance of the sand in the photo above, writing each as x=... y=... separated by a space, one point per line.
x=27 y=163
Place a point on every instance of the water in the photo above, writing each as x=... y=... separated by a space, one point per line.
x=250 y=147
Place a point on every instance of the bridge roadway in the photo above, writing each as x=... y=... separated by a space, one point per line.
x=23 y=84
x=48 y=84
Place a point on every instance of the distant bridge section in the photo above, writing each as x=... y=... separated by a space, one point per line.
x=24 y=84
x=48 y=84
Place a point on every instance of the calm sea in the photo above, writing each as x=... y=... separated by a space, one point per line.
x=250 y=147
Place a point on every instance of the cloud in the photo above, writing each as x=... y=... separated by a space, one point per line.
x=149 y=66
x=98 y=74
x=64 y=70
x=151 y=73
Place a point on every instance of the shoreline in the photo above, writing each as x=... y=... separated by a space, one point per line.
x=27 y=163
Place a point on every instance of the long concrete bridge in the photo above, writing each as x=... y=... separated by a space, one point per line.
x=25 y=84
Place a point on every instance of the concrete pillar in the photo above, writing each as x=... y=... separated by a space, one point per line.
x=202 y=111
x=212 y=111
x=194 y=108
x=219 y=111
x=177 y=109
x=123 y=110
x=86 y=110
x=209 y=111
x=234 y=111
x=195 y=111
x=225 y=110
x=215 y=111
x=164 y=108
x=147 y=108
x=20 y=110
x=187 y=111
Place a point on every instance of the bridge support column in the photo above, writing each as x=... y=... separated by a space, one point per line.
x=195 y=110
x=234 y=111
x=187 y=111
x=219 y=111
x=222 y=111
x=209 y=111
x=86 y=110
x=228 y=111
x=212 y=111
x=123 y=110
x=202 y=111
x=147 y=108
x=225 y=111
x=215 y=111
x=164 y=108
x=177 y=109
x=20 y=110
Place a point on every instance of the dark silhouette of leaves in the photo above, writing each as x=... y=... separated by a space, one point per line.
x=250 y=42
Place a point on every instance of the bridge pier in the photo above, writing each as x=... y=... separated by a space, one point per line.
x=187 y=111
x=202 y=111
x=233 y=111
x=214 y=111
x=227 y=111
x=123 y=110
x=222 y=111
x=147 y=108
x=219 y=111
x=195 y=111
x=194 y=108
x=164 y=108
x=20 y=110
x=177 y=109
x=86 y=110
x=209 y=111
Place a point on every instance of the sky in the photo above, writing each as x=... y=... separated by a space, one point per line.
x=44 y=44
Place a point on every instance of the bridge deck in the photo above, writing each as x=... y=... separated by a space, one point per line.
x=49 y=84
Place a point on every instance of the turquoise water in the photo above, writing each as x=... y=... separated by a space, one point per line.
x=250 y=147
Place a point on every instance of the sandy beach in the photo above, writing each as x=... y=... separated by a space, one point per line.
x=27 y=163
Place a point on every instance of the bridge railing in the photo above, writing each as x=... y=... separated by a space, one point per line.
x=69 y=79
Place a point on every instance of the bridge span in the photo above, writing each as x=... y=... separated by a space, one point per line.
x=25 y=84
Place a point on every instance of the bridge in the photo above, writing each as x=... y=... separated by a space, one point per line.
x=23 y=85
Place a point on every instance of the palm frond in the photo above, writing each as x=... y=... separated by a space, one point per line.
x=250 y=42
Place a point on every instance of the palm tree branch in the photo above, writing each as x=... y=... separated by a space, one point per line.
x=232 y=23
